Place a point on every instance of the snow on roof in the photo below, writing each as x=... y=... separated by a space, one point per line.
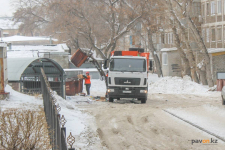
x=8 y=23
x=16 y=67
x=36 y=50
x=215 y=50
x=168 y=49
x=2 y=44
x=18 y=38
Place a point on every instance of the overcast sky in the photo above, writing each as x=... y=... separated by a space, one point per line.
x=6 y=8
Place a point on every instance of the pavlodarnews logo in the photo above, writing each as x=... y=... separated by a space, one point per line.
x=205 y=141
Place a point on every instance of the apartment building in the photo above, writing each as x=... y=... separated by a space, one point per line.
x=213 y=33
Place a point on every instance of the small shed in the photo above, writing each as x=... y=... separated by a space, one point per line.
x=171 y=62
x=217 y=61
x=24 y=75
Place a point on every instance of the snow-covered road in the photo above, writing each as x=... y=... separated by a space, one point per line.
x=103 y=125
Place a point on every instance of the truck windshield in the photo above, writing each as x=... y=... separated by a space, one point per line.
x=128 y=65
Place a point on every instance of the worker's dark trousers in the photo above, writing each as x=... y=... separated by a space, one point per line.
x=88 y=88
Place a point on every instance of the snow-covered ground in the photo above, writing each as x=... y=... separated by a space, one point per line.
x=80 y=124
x=83 y=125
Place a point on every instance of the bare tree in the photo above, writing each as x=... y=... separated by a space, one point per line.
x=189 y=53
x=85 y=24
x=184 y=61
x=185 y=11
x=152 y=11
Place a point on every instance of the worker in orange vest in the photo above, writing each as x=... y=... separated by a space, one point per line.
x=87 y=79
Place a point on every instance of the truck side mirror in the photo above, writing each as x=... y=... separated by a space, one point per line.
x=105 y=64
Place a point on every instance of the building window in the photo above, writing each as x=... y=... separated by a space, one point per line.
x=164 y=59
x=223 y=32
x=219 y=7
x=213 y=35
x=168 y=40
x=197 y=9
x=203 y=10
x=213 y=8
x=165 y=38
x=132 y=40
x=171 y=38
x=203 y=34
x=208 y=9
x=160 y=38
x=207 y=34
x=224 y=6
x=219 y=33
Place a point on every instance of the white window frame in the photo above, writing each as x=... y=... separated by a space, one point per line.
x=213 y=8
x=219 y=7
x=164 y=58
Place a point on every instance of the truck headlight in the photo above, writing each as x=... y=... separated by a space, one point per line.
x=143 y=91
x=110 y=90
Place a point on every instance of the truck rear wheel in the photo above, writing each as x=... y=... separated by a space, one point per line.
x=110 y=99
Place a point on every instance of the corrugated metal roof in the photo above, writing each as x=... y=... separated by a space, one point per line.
x=16 y=67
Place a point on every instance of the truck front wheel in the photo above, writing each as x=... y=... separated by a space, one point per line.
x=143 y=100
x=110 y=99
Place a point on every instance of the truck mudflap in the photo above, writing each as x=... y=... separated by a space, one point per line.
x=127 y=92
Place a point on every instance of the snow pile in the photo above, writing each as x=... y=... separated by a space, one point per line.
x=177 y=85
x=17 y=38
x=21 y=101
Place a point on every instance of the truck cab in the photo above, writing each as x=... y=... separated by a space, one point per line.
x=128 y=77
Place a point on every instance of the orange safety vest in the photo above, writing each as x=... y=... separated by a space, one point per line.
x=88 y=80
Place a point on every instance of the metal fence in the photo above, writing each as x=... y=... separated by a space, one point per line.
x=56 y=132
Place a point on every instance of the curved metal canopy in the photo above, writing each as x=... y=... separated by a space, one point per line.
x=31 y=66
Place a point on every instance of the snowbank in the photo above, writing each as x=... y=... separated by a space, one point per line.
x=207 y=116
x=177 y=85
x=80 y=124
